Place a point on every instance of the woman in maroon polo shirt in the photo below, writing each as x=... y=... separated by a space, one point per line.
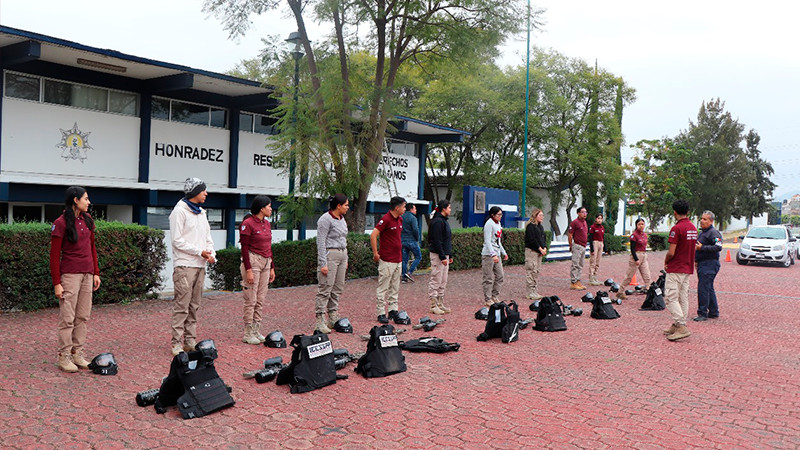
x=638 y=258
x=258 y=268
x=75 y=273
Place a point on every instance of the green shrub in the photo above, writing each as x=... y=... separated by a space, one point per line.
x=658 y=241
x=130 y=258
x=296 y=261
x=614 y=244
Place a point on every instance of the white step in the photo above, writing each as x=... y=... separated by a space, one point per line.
x=560 y=251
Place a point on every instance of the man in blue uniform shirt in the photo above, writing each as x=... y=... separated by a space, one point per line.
x=709 y=244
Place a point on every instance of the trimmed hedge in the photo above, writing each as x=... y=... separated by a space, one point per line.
x=130 y=257
x=613 y=243
x=296 y=261
x=658 y=241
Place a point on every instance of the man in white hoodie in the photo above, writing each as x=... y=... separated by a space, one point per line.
x=192 y=248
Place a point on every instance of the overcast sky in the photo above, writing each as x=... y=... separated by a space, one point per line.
x=675 y=54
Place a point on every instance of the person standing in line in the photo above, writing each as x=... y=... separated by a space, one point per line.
x=535 y=250
x=76 y=274
x=192 y=248
x=638 y=258
x=706 y=258
x=389 y=258
x=410 y=242
x=257 y=267
x=441 y=253
x=679 y=264
x=331 y=261
x=597 y=233
x=491 y=253
x=577 y=236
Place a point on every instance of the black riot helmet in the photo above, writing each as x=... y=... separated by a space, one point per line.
x=343 y=325
x=482 y=314
x=207 y=348
x=402 y=318
x=587 y=297
x=104 y=364
x=275 y=339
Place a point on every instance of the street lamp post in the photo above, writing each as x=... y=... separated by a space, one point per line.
x=527 y=95
x=294 y=38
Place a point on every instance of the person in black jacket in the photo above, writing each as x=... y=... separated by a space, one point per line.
x=441 y=248
x=535 y=249
x=706 y=260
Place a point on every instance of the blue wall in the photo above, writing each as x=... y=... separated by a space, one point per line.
x=493 y=197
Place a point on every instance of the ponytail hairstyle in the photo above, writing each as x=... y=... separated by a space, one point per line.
x=492 y=211
x=335 y=200
x=259 y=202
x=443 y=204
x=74 y=193
x=532 y=218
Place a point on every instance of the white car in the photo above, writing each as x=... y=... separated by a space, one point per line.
x=767 y=244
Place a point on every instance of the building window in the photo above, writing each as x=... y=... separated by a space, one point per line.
x=256 y=123
x=160 y=109
x=26 y=213
x=22 y=86
x=177 y=111
x=216 y=219
x=265 y=125
x=48 y=213
x=57 y=92
x=76 y=95
x=123 y=103
x=158 y=217
x=246 y=122
x=403 y=148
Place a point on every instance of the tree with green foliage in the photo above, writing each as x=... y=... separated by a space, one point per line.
x=660 y=172
x=613 y=187
x=714 y=141
x=344 y=114
x=576 y=132
x=756 y=197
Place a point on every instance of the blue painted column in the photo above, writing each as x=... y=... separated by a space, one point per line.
x=145 y=127
x=145 y=122
x=233 y=145
x=423 y=150
x=230 y=227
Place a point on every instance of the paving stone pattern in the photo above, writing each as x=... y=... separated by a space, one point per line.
x=600 y=384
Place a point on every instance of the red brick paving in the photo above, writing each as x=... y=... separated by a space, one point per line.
x=609 y=384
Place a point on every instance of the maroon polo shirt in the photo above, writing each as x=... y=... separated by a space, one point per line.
x=579 y=231
x=684 y=236
x=72 y=257
x=639 y=241
x=390 y=248
x=598 y=232
x=255 y=236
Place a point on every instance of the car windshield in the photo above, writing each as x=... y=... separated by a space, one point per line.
x=767 y=233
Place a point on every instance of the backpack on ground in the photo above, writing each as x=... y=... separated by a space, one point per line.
x=550 y=316
x=602 y=307
x=193 y=385
x=510 y=330
x=429 y=344
x=312 y=365
x=383 y=356
x=495 y=322
x=655 y=298
x=662 y=280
